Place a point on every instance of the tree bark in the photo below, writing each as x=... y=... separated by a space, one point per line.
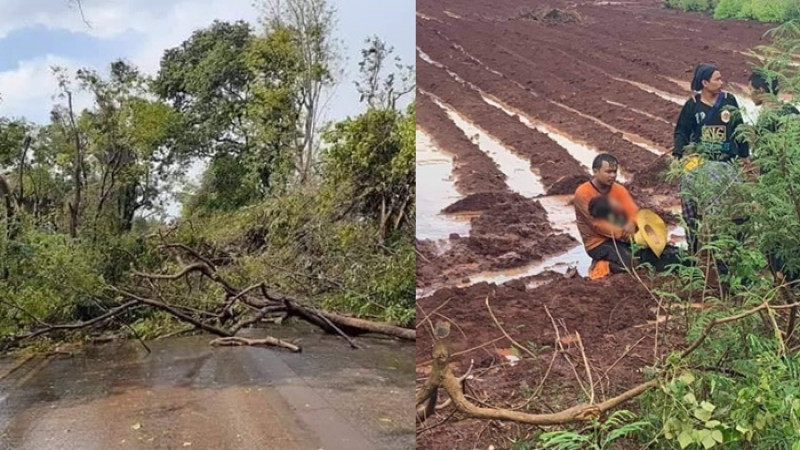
x=75 y=206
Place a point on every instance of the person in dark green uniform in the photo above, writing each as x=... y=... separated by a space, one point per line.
x=707 y=118
x=708 y=122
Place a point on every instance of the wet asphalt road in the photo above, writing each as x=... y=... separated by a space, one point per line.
x=188 y=395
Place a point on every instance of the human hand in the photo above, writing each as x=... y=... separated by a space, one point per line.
x=629 y=228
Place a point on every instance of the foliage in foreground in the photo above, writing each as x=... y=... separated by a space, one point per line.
x=760 y=10
x=740 y=389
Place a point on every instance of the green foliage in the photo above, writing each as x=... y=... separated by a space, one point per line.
x=91 y=185
x=760 y=10
x=154 y=325
x=728 y=9
x=740 y=389
x=600 y=435
x=241 y=96
x=759 y=405
x=371 y=160
x=694 y=5
x=49 y=277
x=299 y=245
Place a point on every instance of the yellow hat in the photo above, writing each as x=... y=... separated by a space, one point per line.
x=692 y=162
x=652 y=232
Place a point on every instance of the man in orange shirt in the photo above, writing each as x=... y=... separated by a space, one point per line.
x=606 y=237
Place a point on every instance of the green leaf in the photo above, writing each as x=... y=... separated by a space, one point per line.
x=685 y=439
x=717 y=436
x=713 y=423
x=702 y=414
x=687 y=377
x=690 y=398
x=708 y=406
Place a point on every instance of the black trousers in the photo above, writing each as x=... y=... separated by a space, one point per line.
x=692 y=216
x=621 y=257
x=778 y=265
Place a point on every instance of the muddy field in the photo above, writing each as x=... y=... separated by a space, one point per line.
x=518 y=102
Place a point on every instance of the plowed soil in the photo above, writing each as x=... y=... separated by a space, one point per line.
x=609 y=75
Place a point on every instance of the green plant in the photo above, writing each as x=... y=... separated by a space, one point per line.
x=727 y=9
x=599 y=436
x=741 y=388
x=695 y=5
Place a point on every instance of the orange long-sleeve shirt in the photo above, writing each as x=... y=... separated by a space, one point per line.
x=596 y=231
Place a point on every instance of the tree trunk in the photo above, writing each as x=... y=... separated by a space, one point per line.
x=5 y=192
x=75 y=206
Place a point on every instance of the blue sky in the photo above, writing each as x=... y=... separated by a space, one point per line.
x=36 y=34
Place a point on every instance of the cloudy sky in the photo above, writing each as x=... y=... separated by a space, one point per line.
x=37 y=34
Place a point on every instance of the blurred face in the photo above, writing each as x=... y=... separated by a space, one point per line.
x=715 y=83
x=757 y=94
x=606 y=175
x=614 y=205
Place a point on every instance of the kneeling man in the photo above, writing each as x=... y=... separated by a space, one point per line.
x=607 y=218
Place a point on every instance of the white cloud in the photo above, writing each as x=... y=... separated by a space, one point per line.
x=27 y=89
x=109 y=18
x=30 y=89
x=183 y=18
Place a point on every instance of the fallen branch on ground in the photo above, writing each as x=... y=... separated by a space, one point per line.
x=48 y=328
x=442 y=377
x=235 y=341
x=223 y=320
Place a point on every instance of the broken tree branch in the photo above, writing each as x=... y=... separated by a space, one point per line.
x=172 y=310
x=75 y=325
x=269 y=341
x=261 y=314
x=203 y=268
x=360 y=326
x=190 y=251
x=442 y=376
x=715 y=322
x=427 y=396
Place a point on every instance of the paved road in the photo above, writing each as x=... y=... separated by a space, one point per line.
x=188 y=395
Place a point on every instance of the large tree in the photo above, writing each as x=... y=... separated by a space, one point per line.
x=239 y=98
x=311 y=24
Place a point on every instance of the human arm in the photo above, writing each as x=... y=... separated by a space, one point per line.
x=598 y=223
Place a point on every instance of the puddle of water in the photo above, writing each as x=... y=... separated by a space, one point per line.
x=644 y=113
x=481 y=63
x=426 y=17
x=633 y=139
x=582 y=153
x=520 y=177
x=574 y=257
x=434 y=177
x=646 y=87
x=643 y=143
x=561 y=214
x=425 y=57
x=683 y=84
